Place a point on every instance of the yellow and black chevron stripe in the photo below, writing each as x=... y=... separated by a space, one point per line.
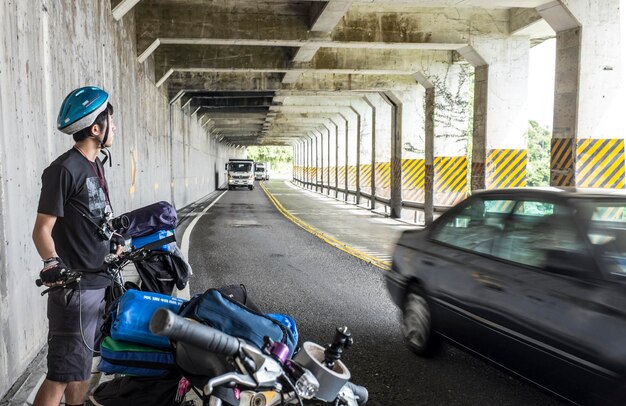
x=561 y=162
x=341 y=177
x=366 y=178
x=450 y=179
x=506 y=168
x=413 y=180
x=352 y=177
x=600 y=163
x=383 y=174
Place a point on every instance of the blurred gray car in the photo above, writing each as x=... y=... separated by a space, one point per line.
x=532 y=280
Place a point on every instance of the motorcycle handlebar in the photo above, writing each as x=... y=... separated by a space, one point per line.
x=359 y=391
x=164 y=322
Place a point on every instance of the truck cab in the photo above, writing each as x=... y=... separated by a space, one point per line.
x=261 y=171
x=240 y=173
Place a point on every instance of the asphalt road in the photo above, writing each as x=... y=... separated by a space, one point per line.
x=243 y=239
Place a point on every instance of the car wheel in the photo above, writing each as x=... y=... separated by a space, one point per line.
x=417 y=324
x=251 y=187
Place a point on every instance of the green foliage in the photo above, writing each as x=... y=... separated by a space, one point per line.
x=280 y=158
x=538 y=170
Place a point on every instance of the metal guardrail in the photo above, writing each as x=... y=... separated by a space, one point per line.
x=405 y=203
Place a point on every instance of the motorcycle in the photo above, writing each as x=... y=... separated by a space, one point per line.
x=228 y=371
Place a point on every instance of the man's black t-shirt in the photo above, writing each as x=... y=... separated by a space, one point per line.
x=72 y=182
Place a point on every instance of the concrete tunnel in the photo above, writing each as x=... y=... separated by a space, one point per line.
x=406 y=105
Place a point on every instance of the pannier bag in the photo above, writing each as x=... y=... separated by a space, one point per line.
x=123 y=357
x=138 y=242
x=231 y=317
x=160 y=272
x=137 y=391
x=150 y=219
x=132 y=319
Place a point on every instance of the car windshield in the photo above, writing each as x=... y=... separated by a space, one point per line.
x=240 y=167
x=607 y=232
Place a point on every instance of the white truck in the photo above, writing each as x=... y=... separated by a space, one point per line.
x=262 y=171
x=240 y=173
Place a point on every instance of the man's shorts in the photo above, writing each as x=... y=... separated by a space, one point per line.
x=69 y=359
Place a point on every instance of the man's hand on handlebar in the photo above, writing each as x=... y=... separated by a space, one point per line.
x=54 y=272
x=117 y=243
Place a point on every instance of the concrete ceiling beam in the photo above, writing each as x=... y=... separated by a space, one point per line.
x=185 y=82
x=421 y=24
x=237 y=121
x=221 y=58
x=529 y=23
x=239 y=102
x=221 y=81
x=361 y=26
x=327 y=61
x=259 y=111
x=122 y=8
x=325 y=17
x=220 y=20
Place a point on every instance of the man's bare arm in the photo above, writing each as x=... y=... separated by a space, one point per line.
x=42 y=235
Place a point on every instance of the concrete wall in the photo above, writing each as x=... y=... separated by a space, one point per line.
x=47 y=48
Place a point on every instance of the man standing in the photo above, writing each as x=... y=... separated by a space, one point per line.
x=74 y=200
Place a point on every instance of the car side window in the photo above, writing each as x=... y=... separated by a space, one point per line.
x=607 y=232
x=539 y=233
x=475 y=226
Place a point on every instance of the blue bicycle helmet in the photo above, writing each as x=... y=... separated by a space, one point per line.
x=81 y=108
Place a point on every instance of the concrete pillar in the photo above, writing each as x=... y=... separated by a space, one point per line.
x=294 y=166
x=357 y=151
x=346 y=157
x=330 y=154
x=396 y=153
x=372 y=161
x=322 y=159
x=340 y=142
x=382 y=148
x=499 y=142
x=302 y=161
x=588 y=130
x=451 y=116
x=310 y=162
x=429 y=152
x=316 y=161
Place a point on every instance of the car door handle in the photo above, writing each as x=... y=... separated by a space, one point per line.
x=487 y=281
x=427 y=262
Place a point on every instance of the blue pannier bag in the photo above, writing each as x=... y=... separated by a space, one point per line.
x=231 y=317
x=138 y=242
x=123 y=357
x=132 y=318
x=286 y=321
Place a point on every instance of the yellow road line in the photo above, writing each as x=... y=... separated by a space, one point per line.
x=370 y=259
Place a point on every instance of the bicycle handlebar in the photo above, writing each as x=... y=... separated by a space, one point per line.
x=165 y=323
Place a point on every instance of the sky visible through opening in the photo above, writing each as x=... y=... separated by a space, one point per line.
x=541 y=83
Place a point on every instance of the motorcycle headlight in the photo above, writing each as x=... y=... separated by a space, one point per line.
x=307 y=385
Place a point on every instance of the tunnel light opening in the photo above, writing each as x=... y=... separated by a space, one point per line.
x=279 y=158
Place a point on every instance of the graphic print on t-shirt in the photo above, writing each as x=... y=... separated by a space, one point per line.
x=97 y=201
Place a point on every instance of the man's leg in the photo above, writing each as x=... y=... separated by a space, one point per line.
x=50 y=393
x=72 y=332
x=75 y=392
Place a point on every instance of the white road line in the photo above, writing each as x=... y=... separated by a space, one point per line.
x=184 y=245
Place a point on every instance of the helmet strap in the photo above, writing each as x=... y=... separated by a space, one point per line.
x=103 y=148
x=107 y=156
